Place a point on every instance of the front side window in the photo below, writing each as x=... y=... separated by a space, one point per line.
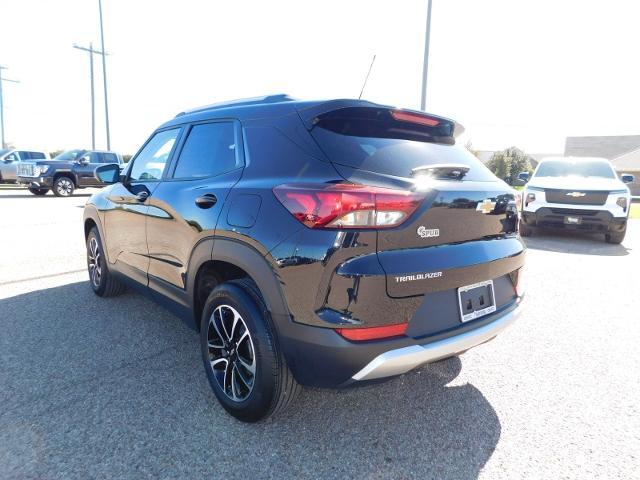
x=209 y=150
x=151 y=161
x=70 y=155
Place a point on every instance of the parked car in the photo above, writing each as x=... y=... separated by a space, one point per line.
x=66 y=172
x=311 y=243
x=577 y=193
x=10 y=158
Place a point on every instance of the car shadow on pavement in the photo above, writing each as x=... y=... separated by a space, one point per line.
x=115 y=388
x=574 y=242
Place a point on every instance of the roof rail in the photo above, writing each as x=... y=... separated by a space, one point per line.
x=241 y=102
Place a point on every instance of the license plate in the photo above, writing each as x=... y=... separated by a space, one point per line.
x=573 y=220
x=476 y=300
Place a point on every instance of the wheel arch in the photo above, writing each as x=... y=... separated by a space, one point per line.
x=228 y=260
x=91 y=219
x=66 y=173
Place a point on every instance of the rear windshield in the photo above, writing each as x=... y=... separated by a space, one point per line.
x=582 y=168
x=381 y=145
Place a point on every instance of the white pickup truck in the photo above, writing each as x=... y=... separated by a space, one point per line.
x=577 y=193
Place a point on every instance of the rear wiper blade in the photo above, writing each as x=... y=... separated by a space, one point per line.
x=453 y=171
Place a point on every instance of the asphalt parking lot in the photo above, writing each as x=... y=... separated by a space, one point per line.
x=114 y=388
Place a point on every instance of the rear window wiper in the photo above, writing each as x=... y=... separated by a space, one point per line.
x=450 y=171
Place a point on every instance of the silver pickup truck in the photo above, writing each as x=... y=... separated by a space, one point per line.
x=11 y=158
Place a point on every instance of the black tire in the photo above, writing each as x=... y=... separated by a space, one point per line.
x=63 y=186
x=273 y=387
x=525 y=230
x=615 y=237
x=106 y=285
x=38 y=191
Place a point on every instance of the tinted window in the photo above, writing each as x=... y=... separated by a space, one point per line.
x=150 y=162
x=70 y=155
x=368 y=139
x=580 y=168
x=94 y=157
x=209 y=150
x=109 y=158
x=37 y=155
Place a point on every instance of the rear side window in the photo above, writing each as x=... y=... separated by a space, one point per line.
x=36 y=155
x=109 y=158
x=209 y=150
x=370 y=139
x=152 y=159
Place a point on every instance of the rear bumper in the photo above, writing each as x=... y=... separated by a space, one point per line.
x=401 y=360
x=593 y=220
x=320 y=357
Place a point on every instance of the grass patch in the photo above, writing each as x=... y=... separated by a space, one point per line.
x=635 y=211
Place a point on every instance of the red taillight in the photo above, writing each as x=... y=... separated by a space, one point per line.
x=373 y=333
x=347 y=206
x=403 y=116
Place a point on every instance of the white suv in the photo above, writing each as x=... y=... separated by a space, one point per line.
x=578 y=193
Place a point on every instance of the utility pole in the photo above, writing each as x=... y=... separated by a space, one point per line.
x=2 y=79
x=93 y=102
x=104 y=76
x=425 y=64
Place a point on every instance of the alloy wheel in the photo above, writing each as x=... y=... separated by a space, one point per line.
x=95 y=270
x=64 y=186
x=231 y=353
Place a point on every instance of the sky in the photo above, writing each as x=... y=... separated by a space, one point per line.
x=513 y=72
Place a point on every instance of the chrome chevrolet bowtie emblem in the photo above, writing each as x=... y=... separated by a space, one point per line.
x=575 y=194
x=486 y=206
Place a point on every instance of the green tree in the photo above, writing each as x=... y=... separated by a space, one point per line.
x=508 y=163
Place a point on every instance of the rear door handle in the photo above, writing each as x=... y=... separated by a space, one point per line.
x=207 y=200
x=142 y=196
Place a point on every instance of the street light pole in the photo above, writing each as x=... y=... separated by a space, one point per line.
x=3 y=144
x=93 y=103
x=104 y=77
x=425 y=64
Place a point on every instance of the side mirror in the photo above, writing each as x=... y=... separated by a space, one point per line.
x=83 y=161
x=108 y=173
x=627 y=178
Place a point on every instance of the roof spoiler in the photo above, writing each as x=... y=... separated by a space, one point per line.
x=311 y=115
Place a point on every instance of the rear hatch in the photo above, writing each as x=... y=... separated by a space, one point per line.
x=463 y=232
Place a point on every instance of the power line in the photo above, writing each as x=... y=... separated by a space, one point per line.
x=2 y=79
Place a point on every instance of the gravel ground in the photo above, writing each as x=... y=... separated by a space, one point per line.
x=114 y=388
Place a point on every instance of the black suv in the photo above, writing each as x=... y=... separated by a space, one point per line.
x=317 y=243
x=66 y=172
